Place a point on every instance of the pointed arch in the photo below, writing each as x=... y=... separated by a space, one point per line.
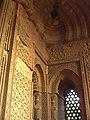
x=65 y=80
x=39 y=71
x=38 y=92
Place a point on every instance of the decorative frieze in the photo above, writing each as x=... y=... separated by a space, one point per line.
x=69 y=51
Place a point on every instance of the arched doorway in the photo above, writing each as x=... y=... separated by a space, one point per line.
x=68 y=91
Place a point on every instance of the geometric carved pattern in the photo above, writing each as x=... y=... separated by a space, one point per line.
x=69 y=51
x=44 y=106
x=53 y=107
x=20 y=103
x=72 y=106
x=24 y=53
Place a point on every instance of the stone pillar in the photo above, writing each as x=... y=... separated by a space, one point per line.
x=61 y=107
x=54 y=108
x=85 y=87
x=36 y=106
x=36 y=97
x=87 y=67
x=35 y=82
x=44 y=106
x=7 y=29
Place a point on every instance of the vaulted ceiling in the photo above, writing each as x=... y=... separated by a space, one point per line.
x=60 y=20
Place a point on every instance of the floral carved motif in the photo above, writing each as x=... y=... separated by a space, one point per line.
x=21 y=92
x=24 y=53
x=20 y=97
x=67 y=51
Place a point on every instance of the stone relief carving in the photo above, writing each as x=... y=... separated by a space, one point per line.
x=74 y=66
x=88 y=65
x=2 y=75
x=36 y=105
x=53 y=107
x=68 y=56
x=44 y=106
x=2 y=18
x=24 y=53
x=7 y=24
x=23 y=35
x=20 y=105
x=21 y=89
x=67 y=51
x=36 y=97
x=35 y=82
x=8 y=32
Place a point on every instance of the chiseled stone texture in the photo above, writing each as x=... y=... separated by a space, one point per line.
x=21 y=94
x=29 y=33
x=68 y=51
x=31 y=50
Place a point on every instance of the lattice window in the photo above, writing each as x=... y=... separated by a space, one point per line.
x=72 y=105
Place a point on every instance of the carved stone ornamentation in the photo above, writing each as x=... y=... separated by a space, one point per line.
x=74 y=66
x=36 y=105
x=20 y=97
x=7 y=33
x=87 y=59
x=20 y=103
x=53 y=107
x=40 y=47
x=24 y=53
x=69 y=51
x=35 y=82
x=7 y=29
x=36 y=97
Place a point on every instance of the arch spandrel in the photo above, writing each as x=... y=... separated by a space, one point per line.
x=58 y=76
x=65 y=80
x=66 y=74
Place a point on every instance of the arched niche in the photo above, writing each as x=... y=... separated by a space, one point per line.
x=64 y=81
x=40 y=74
x=38 y=91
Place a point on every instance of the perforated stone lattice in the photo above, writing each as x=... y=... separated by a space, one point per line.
x=72 y=106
